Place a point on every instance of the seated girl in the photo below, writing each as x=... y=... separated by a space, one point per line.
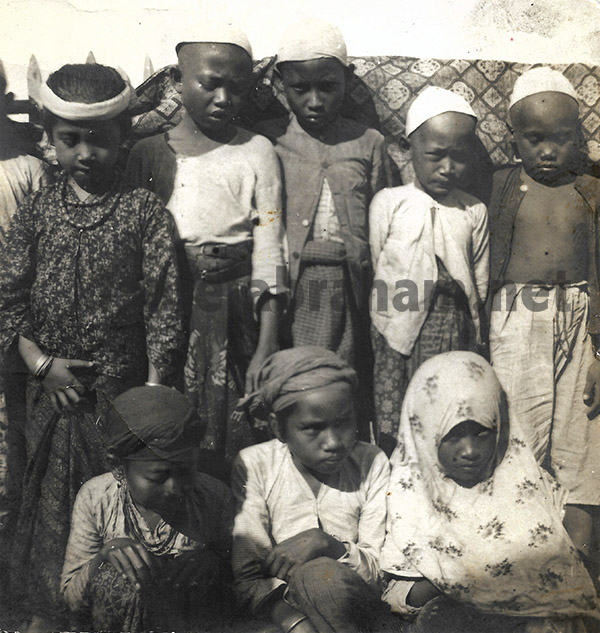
x=149 y=541
x=475 y=535
x=311 y=503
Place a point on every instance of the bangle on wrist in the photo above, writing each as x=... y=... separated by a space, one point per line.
x=43 y=366
x=296 y=623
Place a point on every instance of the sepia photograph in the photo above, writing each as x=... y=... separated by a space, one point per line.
x=300 y=316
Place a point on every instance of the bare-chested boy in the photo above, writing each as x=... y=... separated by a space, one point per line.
x=545 y=322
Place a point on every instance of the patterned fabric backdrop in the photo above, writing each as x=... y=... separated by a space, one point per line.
x=380 y=91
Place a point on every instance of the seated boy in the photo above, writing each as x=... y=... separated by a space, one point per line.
x=544 y=330
x=223 y=188
x=311 y=503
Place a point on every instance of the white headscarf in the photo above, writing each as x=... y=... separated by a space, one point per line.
x=541 y=79
x=500 y=546
x=312 y=39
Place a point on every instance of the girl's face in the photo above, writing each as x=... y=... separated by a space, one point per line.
x=160 y=485
x=88 y=151
x=465 y=453
x=320 y=429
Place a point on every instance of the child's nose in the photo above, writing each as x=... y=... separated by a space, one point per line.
x=447 y=165
x=84 y=151
x=331 y=440
x=315 y=100
x=222 y=95
x=469 y=448
x=548 y=151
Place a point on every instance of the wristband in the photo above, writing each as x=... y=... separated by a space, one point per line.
x=296 y=623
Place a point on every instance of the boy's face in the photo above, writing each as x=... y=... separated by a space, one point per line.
x=315 y=90
x=320 y=429
x=160 y=485
x=442 y=149
x=214 y=81
x=88 y=151
x=547 y=134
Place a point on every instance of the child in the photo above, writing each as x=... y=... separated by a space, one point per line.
x=149 y=541
x=311 y=503
x=544 y=222
x=89 y=292
x=223 y=187
x=20 y=174
x=475 y=535
x=429 y=239
x=332 y=166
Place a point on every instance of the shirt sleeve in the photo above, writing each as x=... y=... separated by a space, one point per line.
x=396 y=593
x=363 y=557
x=268 y=264
x=379 y=167
x=163 y=313
x=17 y=274
x=83 y=545
x=481 y=251
x=379 y=224
x=251 y=538
x=40 y=175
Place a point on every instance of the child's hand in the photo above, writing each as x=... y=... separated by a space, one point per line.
x=62 y=385
x=260 y=356
x=300 y=549
x=130 y=558
x=198 y=569
x=591 y=393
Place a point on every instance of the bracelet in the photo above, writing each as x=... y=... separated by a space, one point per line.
x=43 y=366
x=297 y=622
x=152 y=384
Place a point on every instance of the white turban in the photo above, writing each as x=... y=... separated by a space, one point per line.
x=210 y=32
x=99 y=111
x=312 y=39
x=432 y=102
x=541 y=79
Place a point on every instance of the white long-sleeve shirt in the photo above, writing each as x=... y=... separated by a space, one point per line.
x=275 y=502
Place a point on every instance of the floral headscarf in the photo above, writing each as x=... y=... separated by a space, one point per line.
x=500 y=546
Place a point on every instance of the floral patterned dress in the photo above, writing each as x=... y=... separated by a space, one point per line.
x=497 y=548
x=97 y=281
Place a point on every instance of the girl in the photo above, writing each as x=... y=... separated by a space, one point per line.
x=429 y=242
x=88 y=292
x=475 y=537
x=148 y=541
x=311 y=503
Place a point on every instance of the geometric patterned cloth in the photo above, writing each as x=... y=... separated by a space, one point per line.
x=380 y=91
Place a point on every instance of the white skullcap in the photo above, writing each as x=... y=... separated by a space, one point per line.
x=99 y=111
x=432 y=102
x=312 y=39
x=541 y=79
x=210 y=32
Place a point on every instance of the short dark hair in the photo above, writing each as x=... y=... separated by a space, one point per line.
x=86 y=83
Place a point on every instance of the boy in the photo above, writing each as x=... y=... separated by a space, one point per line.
x=311 y=503
x=332 y=166
x=544 y=223
x=432 y=237
x=222 y=185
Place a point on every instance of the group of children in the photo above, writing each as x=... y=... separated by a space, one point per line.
x=213 y=248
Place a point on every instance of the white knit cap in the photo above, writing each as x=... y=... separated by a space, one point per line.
x=432 y=102
x=541 y=79
x=312 y=39
x=211 y=32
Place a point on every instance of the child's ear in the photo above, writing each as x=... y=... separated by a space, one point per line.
x=176 y=77
x=277 y=428
x=513 y=144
